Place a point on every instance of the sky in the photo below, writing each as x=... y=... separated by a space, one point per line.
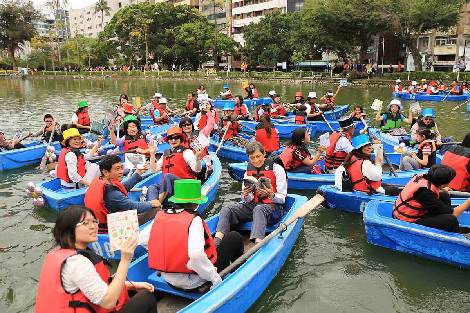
x=73 y=4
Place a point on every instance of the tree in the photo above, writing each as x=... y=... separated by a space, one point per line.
x=102 y=6
x=17 y=20
x=273 y=39
x=58 y=7
x=410 y=18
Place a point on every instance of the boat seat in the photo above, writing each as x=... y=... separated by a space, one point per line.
x=161 y=285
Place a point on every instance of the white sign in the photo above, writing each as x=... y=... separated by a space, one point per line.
x=122 y=226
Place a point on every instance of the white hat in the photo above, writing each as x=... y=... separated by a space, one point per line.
x=414 y=83
x=162 y=100
x=157 y=95
x=312 y=94
x=272 y=93
x=395 y=102
x=398 y=80
x=329 y=93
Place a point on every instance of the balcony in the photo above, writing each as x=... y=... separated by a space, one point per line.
x=447 y=49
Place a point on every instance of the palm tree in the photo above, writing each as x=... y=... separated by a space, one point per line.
x=102 y=6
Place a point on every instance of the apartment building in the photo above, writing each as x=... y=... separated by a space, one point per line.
x=87 y=22
x=447 y=49
x=245 y=12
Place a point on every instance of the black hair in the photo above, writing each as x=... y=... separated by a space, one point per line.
x=466 y=141
x=185 y=120
x=125 y=125
x=355 y=153
x=440 y=174
x=240 y=98
x=192 y=94
x=298 y=136
x=425 y=132
x=360 y=107
x=123 y=96
x=254 y=146
x=47 y=116
x=67 y=220
x=108 y=161
x=265 y=120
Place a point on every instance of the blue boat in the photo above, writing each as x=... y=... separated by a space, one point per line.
x=426 y=97
x=431 y=243
x=250 y=103
x=315 y=181
x=468 y=107
x=285 y=130
x=211 y=185
x=356 y=201
x=31 y=155
x=240 y=289
x=329 y=115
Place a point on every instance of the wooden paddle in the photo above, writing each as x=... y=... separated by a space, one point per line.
x=455 y=108
x=42 y=166
x=222 y=139
x=25 y=137
x=327 y=123
x=446 y=95
x=301 y=212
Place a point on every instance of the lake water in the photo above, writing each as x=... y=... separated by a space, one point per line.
x=331 y=269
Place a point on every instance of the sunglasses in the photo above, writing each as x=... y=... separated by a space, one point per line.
x=427 y=118
x=187 y=125
x=174 y=137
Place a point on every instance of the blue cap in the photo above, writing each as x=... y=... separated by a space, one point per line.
x=229 y=105
x=267 y=101
x=428 y=112
x=226 y=86
x=360 y=141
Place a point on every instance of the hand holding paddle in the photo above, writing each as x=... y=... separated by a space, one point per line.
x=42 y=166
x=223 y=137
x=301 y=212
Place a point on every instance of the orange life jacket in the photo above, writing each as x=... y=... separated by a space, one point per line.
x=271 y=143
x=162 y=111
x=330 y=102
x=232 y=130
x=280 y=110
x=83 y=118
x=334 y=159
x=131 y=143
x=257 y=116
x=174 y=163
x=51 y=296
x=203 y=120
x=94 y=200
x=458 y=158
x=62 y=172
x=266 y=170
x=300 y=117
x=358 y=180
x=190 y=105
x=287 y=158
x=240 y=110
x=406 y=208
x=168 y=242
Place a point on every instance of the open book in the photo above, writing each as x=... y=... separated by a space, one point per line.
x=122 y=226
x=262 y=182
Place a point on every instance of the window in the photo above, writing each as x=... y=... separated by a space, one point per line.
x=119 y=4
x=440 y=41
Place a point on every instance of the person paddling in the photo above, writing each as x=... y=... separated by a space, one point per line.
x=229 y=122
x=296 y=157
x=133 y=139
x=107 y=194
x=424 y=201
x=73 y=169
x=240 y=109
x=9 y=144
x=180 y=245
x=426 y=120
x=458 y=157
x=81 y=118
x=46 y=131
x=75 y=279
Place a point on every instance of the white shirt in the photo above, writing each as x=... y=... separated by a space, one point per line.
x=371 y=171
x=71 y=161
x=198 y=261
x=74 y=118
x=343 y=144
x=188 y=156
x=78 y=273
x=281 y=186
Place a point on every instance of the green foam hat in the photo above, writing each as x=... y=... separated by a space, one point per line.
x=130 y=118
x=187 y=191
x=82 y=104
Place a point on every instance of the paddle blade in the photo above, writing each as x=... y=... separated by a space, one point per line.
x=309 y=206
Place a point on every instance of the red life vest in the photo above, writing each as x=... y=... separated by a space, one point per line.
x=157 y=107
x=458 y=158
x=174 y=163
x=240 y=110
x=189 y=105
x=412 y=89
x=62 y=172
x=232 y=130
x=279 y=110
x=203 y=120
x=300 y=117
x=287 y=158
x=270 y=144
x=406 y=208
x=257 y=116
x=131 y=143
x=442 y=87
x=51 y=296
x=330 y=102
x=266 y=170
x=94 y=200
x=83 y=118
x=358 y=180
x=168 y=242
x=334 y=159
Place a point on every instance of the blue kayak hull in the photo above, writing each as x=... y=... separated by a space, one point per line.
x=240 y=289
x=102 y=246
x=315 y=181
x=285 y=130
x=356 y=201
x=30 y=155
x=220 y=103
x=426 y=97
x=385 y=231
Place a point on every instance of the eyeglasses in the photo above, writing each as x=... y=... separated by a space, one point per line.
x=184 y=125
x=88 y=223
x=174 y=137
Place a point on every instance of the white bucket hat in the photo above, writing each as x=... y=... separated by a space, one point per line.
x=272 y=93
x=398 y=80
x=395 y=102
x=162 y=100
x=157 y=95
x=414 y=83
x=312 y=94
